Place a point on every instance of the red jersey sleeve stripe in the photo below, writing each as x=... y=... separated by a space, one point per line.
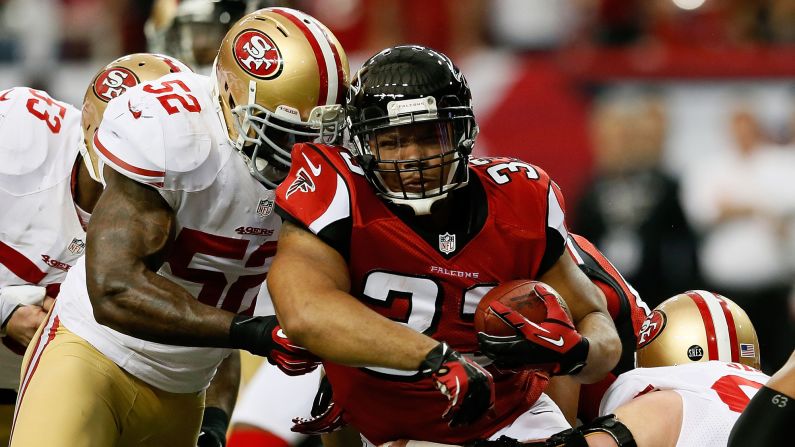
x=20 y=265
x=123 y=164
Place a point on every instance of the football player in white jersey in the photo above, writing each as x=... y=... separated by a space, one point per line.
x=46 y=195
x=110 y=82
x=181 y=240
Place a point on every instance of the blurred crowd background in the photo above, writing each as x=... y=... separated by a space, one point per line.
x=669 y=124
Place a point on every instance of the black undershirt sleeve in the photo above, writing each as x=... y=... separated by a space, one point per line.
x=766 y=421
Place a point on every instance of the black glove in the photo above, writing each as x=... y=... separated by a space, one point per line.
x=468 y=387
x=263 y=336
x=553 y=345
x=213 y=431
x=326 y=414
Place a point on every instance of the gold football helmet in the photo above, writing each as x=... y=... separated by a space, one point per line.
x=697 y=326
x=110 y=82
x=280 y=78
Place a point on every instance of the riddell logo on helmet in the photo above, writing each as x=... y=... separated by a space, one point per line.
x=651 y=328
x=113 y=82
x=257 y=54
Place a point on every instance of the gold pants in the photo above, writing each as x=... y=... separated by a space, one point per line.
x=72 y=395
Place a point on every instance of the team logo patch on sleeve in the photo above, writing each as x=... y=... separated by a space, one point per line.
x=257 y=54
x=447 y=243
x=303 y=182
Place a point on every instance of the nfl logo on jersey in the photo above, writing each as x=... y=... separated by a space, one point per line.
x=264 y=208
x=77 y=246
x=447 y=243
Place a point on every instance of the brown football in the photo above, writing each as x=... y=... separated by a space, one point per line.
x=520 y=295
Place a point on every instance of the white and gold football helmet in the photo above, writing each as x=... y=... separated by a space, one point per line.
x=111 y=81
x=697 y=326
x=280 y=78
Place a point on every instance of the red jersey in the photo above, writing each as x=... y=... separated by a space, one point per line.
x=626 y=308
x=429 y=281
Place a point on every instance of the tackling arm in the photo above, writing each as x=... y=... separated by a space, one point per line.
x=590 y=316
x=310 y=284
x=130 y=231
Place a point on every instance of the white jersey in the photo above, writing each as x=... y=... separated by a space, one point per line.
x=166 y=134
x=41 y=235
x=713 y=396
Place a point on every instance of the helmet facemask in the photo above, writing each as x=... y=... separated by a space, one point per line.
x=419 y=152
x=266 y=138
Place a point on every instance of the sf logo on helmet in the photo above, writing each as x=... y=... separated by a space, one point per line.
x=113 y=82
x=651 y=328
x=256 y=53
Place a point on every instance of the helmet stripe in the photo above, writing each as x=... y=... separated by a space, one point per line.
x=709 y=325
x=732 y=329
x=325 y=53
x=721 y=326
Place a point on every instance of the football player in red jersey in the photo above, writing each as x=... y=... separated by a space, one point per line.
x=386 y=252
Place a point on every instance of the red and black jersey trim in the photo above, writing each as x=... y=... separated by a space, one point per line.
x=623 y=321
x=555 y=244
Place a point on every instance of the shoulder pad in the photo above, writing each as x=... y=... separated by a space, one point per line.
x=39 y=140
x=149 y=134
x=317 y=192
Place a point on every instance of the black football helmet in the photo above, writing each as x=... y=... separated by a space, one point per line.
x=411 y=96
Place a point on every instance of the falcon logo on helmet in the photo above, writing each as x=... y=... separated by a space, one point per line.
x=257 y=54
x=113 y=82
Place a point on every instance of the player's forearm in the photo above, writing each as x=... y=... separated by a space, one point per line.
x=150 y=307
x=604 y=346
x=337 y=327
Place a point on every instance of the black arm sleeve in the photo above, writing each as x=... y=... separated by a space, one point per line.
x=766 y=421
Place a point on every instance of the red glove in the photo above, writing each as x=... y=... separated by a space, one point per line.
x=468 y=387
x=553 y=345
x=326 y=414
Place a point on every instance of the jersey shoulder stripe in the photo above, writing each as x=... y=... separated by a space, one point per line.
x=150 y=176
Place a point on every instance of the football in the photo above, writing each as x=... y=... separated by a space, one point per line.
x=522 y=296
